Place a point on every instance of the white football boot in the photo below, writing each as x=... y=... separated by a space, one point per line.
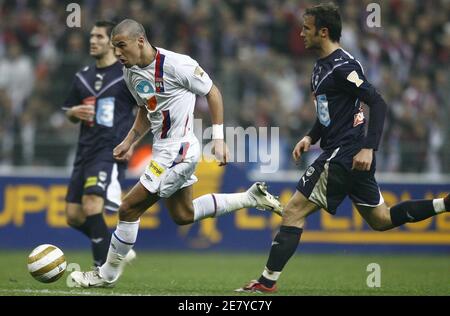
x=93 y=278
x=90 y=279
x=264 y=200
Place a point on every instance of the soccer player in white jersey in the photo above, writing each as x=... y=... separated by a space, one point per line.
x=165 y=85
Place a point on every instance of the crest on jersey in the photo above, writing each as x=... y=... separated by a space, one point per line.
x=102 y=175
x=354 y=78
x=310 y=171
x=159 y=84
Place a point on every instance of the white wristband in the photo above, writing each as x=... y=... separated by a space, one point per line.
x=217 y=131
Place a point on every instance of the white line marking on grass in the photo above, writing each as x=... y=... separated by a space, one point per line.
x=50 y=292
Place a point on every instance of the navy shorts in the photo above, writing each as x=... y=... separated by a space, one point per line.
x=103 y=178
x=330 y=179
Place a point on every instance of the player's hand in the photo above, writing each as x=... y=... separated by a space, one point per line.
x=83 y=112
x=301 y=147
x=123 y=151
x=220 y=151
x=363 y=160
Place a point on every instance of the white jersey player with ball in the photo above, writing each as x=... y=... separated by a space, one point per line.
x=167 y=88
x=165 y=85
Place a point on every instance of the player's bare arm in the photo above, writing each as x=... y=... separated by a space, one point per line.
x=141 y=126
x=301 y=147
x=215 y=103
x=363 y=160
x=311 y=138
x=80 y=113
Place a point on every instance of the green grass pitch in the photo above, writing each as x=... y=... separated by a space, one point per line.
x=217 y=274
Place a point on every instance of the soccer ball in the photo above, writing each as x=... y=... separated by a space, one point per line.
x=46 y=263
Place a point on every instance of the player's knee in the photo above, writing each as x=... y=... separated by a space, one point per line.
x=182 y=221
x=92 y=205
x=183 y=216
x=292 y=216
x=379 y=226
x=126 y=212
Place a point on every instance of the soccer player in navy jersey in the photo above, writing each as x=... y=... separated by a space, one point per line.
x=100 y=101
x=347 y=165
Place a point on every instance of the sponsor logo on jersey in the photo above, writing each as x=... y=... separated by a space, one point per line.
x=144 y=87
x=304 y=180
x=90 y=182
x=152 y=103
x=155 y=168
x=358 y=119
x=101 y=185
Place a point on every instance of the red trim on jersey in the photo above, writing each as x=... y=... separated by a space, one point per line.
x=166 y=123
x=185 y=125
x=159 y=72
x=181 y=153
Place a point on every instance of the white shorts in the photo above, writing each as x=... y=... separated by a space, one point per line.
x=172 y=166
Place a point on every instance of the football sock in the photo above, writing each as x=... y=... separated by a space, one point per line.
x=415 y=211
x=83 y=228
x=217 y=204
x=283 y=247
x=94 y=227
x=100 y=237
x=122 y=240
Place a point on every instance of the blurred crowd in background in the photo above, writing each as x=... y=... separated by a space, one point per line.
x=253 y=51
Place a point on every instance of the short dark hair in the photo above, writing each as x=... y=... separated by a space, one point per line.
x=108 y=25
x=133 y=28
x=327 y=15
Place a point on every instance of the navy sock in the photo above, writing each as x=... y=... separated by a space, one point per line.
x=83 y=228
x=100 y=237
x=411 y=211
x=283 y=247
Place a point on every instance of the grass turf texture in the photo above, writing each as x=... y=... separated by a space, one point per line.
x=196 y=273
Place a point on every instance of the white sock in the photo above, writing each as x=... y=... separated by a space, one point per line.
x=217 y=204
x=439 y=205
x=122 y=240
x=271 y=275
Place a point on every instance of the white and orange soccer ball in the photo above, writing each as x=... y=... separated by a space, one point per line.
x=46 y=263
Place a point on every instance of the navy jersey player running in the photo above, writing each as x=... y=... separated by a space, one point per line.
x=347 y=165
x=100 y=99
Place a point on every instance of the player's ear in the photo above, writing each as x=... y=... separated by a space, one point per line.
x=323 y=32
x=141 y=41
